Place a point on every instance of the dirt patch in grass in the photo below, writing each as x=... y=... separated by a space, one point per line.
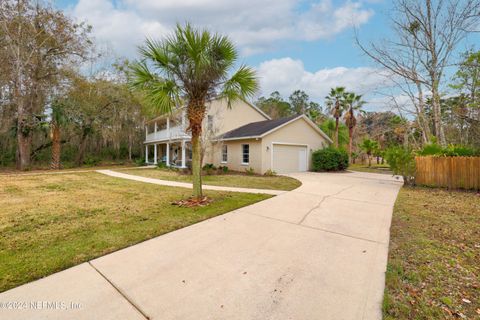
x=434 y=258
x=51 y=222
x=225 y=180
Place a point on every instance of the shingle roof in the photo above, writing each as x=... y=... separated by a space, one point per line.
x=256 y=129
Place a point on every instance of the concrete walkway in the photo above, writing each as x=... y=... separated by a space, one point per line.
x=318 y=252
x=185 y=184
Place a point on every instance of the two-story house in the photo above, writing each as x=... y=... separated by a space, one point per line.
x=239 y=137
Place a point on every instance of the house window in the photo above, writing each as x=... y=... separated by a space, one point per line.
x=210 y=122
x=224 y=153
x=245 y=153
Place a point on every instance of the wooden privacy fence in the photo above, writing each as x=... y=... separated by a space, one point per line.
x=448 y=172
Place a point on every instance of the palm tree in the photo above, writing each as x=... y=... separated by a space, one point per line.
x=191 y=66
x=353 y=103
x=335 y=106
x=328 y=126
x=369 y=146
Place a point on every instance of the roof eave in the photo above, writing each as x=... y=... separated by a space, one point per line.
x=238 y=138
x=310 y=122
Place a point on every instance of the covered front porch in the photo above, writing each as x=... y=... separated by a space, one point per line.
x=176 y=154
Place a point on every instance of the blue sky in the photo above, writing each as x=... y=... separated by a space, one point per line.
x=293 y=44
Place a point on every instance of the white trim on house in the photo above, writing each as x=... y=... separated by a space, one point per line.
x=239 y=138
x=310 y=122
x=243 y=153
x=224 y=153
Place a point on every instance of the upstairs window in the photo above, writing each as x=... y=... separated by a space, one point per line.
x=224 y=153
x=245 y=153
x=210 y=123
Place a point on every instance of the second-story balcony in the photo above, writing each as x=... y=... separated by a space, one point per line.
x=174 y=133
x=166 y=129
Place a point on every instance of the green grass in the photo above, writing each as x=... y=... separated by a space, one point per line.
x=51 y=222
x=434 y=260
x=374 y=168
x=226 y=180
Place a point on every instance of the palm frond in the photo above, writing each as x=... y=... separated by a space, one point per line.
x=160 y=94
x=242 y=84
x=140 y=75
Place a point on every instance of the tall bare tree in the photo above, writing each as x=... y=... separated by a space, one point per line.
x=36 y=41
x=427 y=33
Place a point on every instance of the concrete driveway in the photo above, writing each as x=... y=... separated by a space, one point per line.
x=318 y=252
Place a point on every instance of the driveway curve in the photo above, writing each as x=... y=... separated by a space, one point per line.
x=317 y=252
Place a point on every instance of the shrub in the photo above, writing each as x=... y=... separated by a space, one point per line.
x=140 y=161
x=270 y=173
x=434 y=149
x=460 y=151
x=162 y=165
x=250 y=171
x=330 y=159
x=209 y=168
x=7 y=157
x=402 y=162
x=223 y=169
x=430 y=149
x=91 y=161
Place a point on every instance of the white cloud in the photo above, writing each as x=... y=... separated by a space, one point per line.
x=286 y=75
x=255 y=25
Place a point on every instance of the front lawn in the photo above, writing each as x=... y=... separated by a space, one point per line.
x=225 y=180
x=52 y=222
x=434 y=259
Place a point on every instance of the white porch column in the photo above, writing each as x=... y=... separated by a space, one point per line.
x=168 y=154
x=183 y=119
x=168 y=128
x=146 y=131
x=155 y=161
x=184 y=160
x=146 y=153
x=155 y=129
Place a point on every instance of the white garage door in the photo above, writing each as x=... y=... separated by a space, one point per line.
x=289 y=158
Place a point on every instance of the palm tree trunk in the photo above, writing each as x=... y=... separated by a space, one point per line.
x=56 y=146
x=196 y=166
x=335 y=138
x=195 y=114
x=350 y=142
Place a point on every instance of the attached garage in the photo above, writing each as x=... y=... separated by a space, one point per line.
x=288 y=158
x=282 y=145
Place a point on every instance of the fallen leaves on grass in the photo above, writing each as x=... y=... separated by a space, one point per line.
x=433 y=270
x=193 y=202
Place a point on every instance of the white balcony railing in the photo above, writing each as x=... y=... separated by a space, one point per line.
x=177 y=132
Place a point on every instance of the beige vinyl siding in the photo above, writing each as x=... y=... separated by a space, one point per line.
x=298 y=132
x=225 y=119
x=234 y=161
